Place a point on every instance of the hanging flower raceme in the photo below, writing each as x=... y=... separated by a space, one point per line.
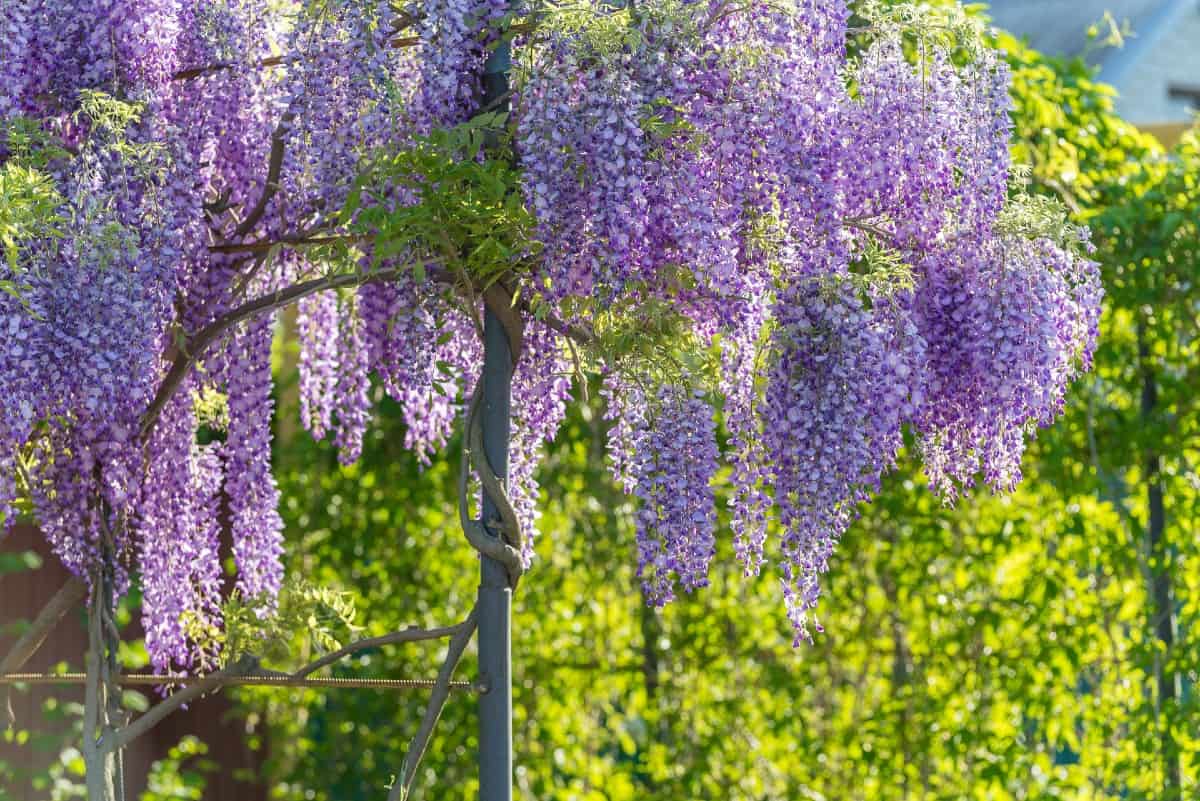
x=846 y=378
x=711 y=204
x=803 y=211
x=666 y=445
x=750 y=476
x=1009 y=324
x=541 y=389
x=930 y=156
x=317 y=317
x=351 y=390
x=421 y=348
x=179 y=529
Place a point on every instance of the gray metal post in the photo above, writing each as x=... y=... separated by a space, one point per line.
x=495 y=596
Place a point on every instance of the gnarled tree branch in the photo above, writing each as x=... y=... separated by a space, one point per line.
x=274 y=168
x=199 y=342
x=494 y=547
x=220 y=66
x=263 y=245
x=205 y=337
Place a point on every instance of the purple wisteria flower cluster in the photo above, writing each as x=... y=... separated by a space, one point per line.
x=836 y=228
x=814 y=245
x=667 y=445
x=845 y=381
x=187 y=129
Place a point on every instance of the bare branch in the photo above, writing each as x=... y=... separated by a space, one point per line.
x=500 y=302
x=186 y=359
x=433 y=711
x=509 y=525
x=404 y=635
x=494 y=547
x=505 y=304
x=63 y=601
x=206 y=336
x=577 y=334
x=220 y=66
x=274 y=167
x=264 y=245
x=213 y=681
x=868 y=225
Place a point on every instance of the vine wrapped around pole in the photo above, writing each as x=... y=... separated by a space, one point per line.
x=502 y=337
x=489 y=431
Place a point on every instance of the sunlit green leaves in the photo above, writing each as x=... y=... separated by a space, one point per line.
x=180 y=776
x=29 y=210
x=318 y=617
x=466 y=213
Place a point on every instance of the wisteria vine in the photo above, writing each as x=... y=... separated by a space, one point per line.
x=711 y=205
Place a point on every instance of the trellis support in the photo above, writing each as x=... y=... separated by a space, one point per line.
x=495 y=594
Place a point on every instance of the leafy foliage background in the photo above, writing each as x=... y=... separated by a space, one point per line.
x=1004 y=649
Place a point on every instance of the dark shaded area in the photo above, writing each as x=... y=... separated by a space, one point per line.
x=22 y=595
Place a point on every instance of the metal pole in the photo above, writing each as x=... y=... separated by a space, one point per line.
x=495 y=596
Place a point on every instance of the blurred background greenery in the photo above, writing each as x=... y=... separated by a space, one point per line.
x=1035 y=646
x=1039 y=645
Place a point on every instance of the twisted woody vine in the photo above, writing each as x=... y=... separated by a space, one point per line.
x=782 y=218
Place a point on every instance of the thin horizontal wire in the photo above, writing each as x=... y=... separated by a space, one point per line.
x=246 y=681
